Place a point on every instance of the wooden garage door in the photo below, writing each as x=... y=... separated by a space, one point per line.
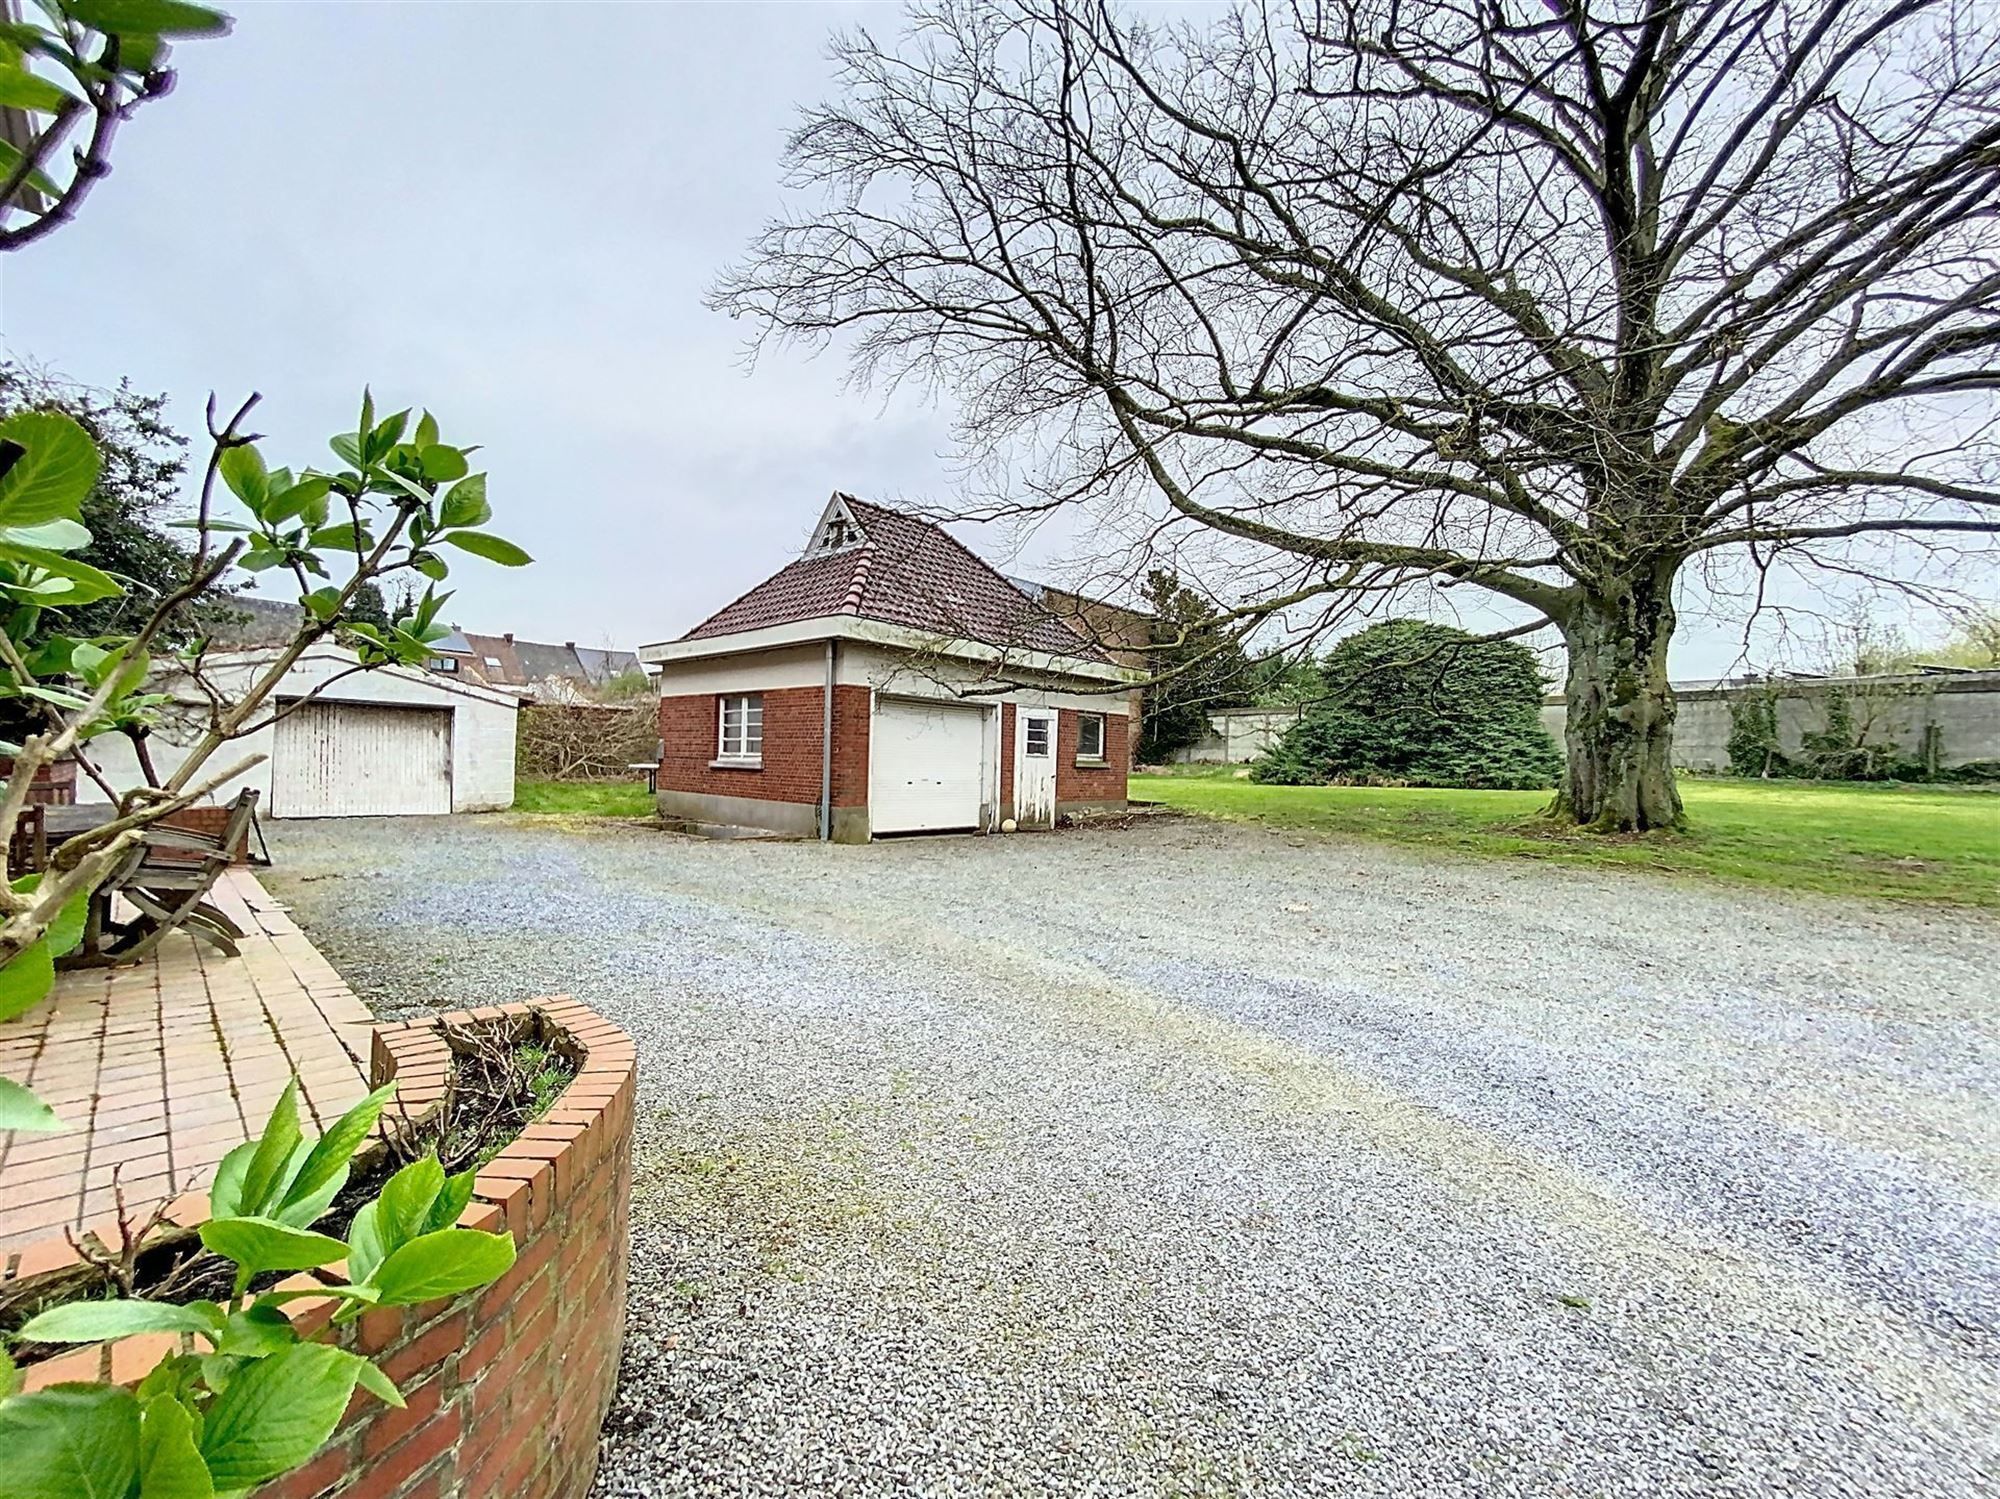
x=926 y=766
x=361 y=760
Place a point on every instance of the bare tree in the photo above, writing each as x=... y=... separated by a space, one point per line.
x=1556 y=300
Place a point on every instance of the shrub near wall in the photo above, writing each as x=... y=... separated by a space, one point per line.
x=1410 y=703
x=505 y=1388
x=585 y=741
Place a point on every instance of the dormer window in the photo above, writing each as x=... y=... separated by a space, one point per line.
x=838 y=530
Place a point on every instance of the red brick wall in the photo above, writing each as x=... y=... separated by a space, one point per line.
x=1006 y=759
x=793 y=721
x=505 y=1388
x=1106 y=783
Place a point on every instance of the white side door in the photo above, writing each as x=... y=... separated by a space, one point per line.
x=1035 y=767
x=361 y=760
x=927 y=766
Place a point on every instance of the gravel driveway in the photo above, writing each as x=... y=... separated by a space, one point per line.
x=1192 y=1159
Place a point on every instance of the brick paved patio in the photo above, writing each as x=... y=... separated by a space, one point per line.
x=161 y=1067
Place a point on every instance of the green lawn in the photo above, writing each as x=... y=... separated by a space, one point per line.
x=584 y=798
x=1897 y=842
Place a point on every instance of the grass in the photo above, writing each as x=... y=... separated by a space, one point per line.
x=583 y=798
x=1935 y=844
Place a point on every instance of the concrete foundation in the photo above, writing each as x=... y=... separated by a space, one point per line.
x=704 y=812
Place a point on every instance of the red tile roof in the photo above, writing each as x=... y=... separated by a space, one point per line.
x=906 y=571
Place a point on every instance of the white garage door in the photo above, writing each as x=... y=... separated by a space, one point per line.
x=361 y=760
x=927 y=765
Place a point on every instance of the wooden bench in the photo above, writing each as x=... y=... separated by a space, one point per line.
x=166 y=878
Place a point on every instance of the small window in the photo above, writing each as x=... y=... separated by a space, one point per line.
x=742 y=732
x=443 y=663
x=1037 y=745
x=1090 y=736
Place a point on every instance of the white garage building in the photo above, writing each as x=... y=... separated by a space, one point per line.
x=390 y=742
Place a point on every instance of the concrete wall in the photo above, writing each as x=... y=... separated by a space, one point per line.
x=1239 y=735
x=1888 y=710
x=1964 y=708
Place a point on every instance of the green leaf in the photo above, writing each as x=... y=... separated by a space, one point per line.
x=347 y=448
x=85 y=583
x=243 y=471
x=365 y=1246
x=334 y=1149
x=26 y=981
x=465 y=503
x=260 y=1244
x=10 y=1377
x=442 y=1264
x=225 y=1193
x=451 y=1201
x=170 y=1465
x=406 y=1201
x=66 y=931
x=276 y=1413
x=50 y=480
x=21 y=1110
x=342 y=537
x=323 y=602
x=100 y=1321
x=154 y=17
x=21 y=89
x=378 y=1384
x=492 y=548
x=296 y=499
x=443 y=463
x=388 y=432
x=138 y=52
x=258 y=1331
x=49 y=536
x=10 y=161
x=280 y=1137
x=74 y=1442
x=430 y=565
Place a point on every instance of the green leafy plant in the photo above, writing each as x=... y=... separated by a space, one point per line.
x=253 y=1399
x=400 y=497
x=1415 y=704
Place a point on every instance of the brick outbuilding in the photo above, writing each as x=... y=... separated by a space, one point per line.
x=888 y=681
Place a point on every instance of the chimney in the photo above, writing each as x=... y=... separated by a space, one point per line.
x=569 y=645
x=508 y=637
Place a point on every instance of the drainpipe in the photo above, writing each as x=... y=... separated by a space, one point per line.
x=826 y=750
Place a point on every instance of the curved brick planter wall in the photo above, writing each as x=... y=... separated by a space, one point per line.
x=506 y=1387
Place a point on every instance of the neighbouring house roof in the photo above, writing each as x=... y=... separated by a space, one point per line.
x=871 y=562
x=504 y=661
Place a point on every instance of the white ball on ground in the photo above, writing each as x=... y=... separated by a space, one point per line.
x=1007 y=824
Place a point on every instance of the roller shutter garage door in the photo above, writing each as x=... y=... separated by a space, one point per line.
x=361 y=760
x=927 y=763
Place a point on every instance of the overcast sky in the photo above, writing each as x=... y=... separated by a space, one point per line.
x=510 y=214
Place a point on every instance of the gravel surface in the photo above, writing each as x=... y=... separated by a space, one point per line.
x=1192 y=1159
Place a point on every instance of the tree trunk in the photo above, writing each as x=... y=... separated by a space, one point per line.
x=1620 y=711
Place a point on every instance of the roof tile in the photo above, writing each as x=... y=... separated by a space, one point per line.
x=907 y=572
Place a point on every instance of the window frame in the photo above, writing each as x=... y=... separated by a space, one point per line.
x=749 y=751
x=1100 y=755
x=1049 y=724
